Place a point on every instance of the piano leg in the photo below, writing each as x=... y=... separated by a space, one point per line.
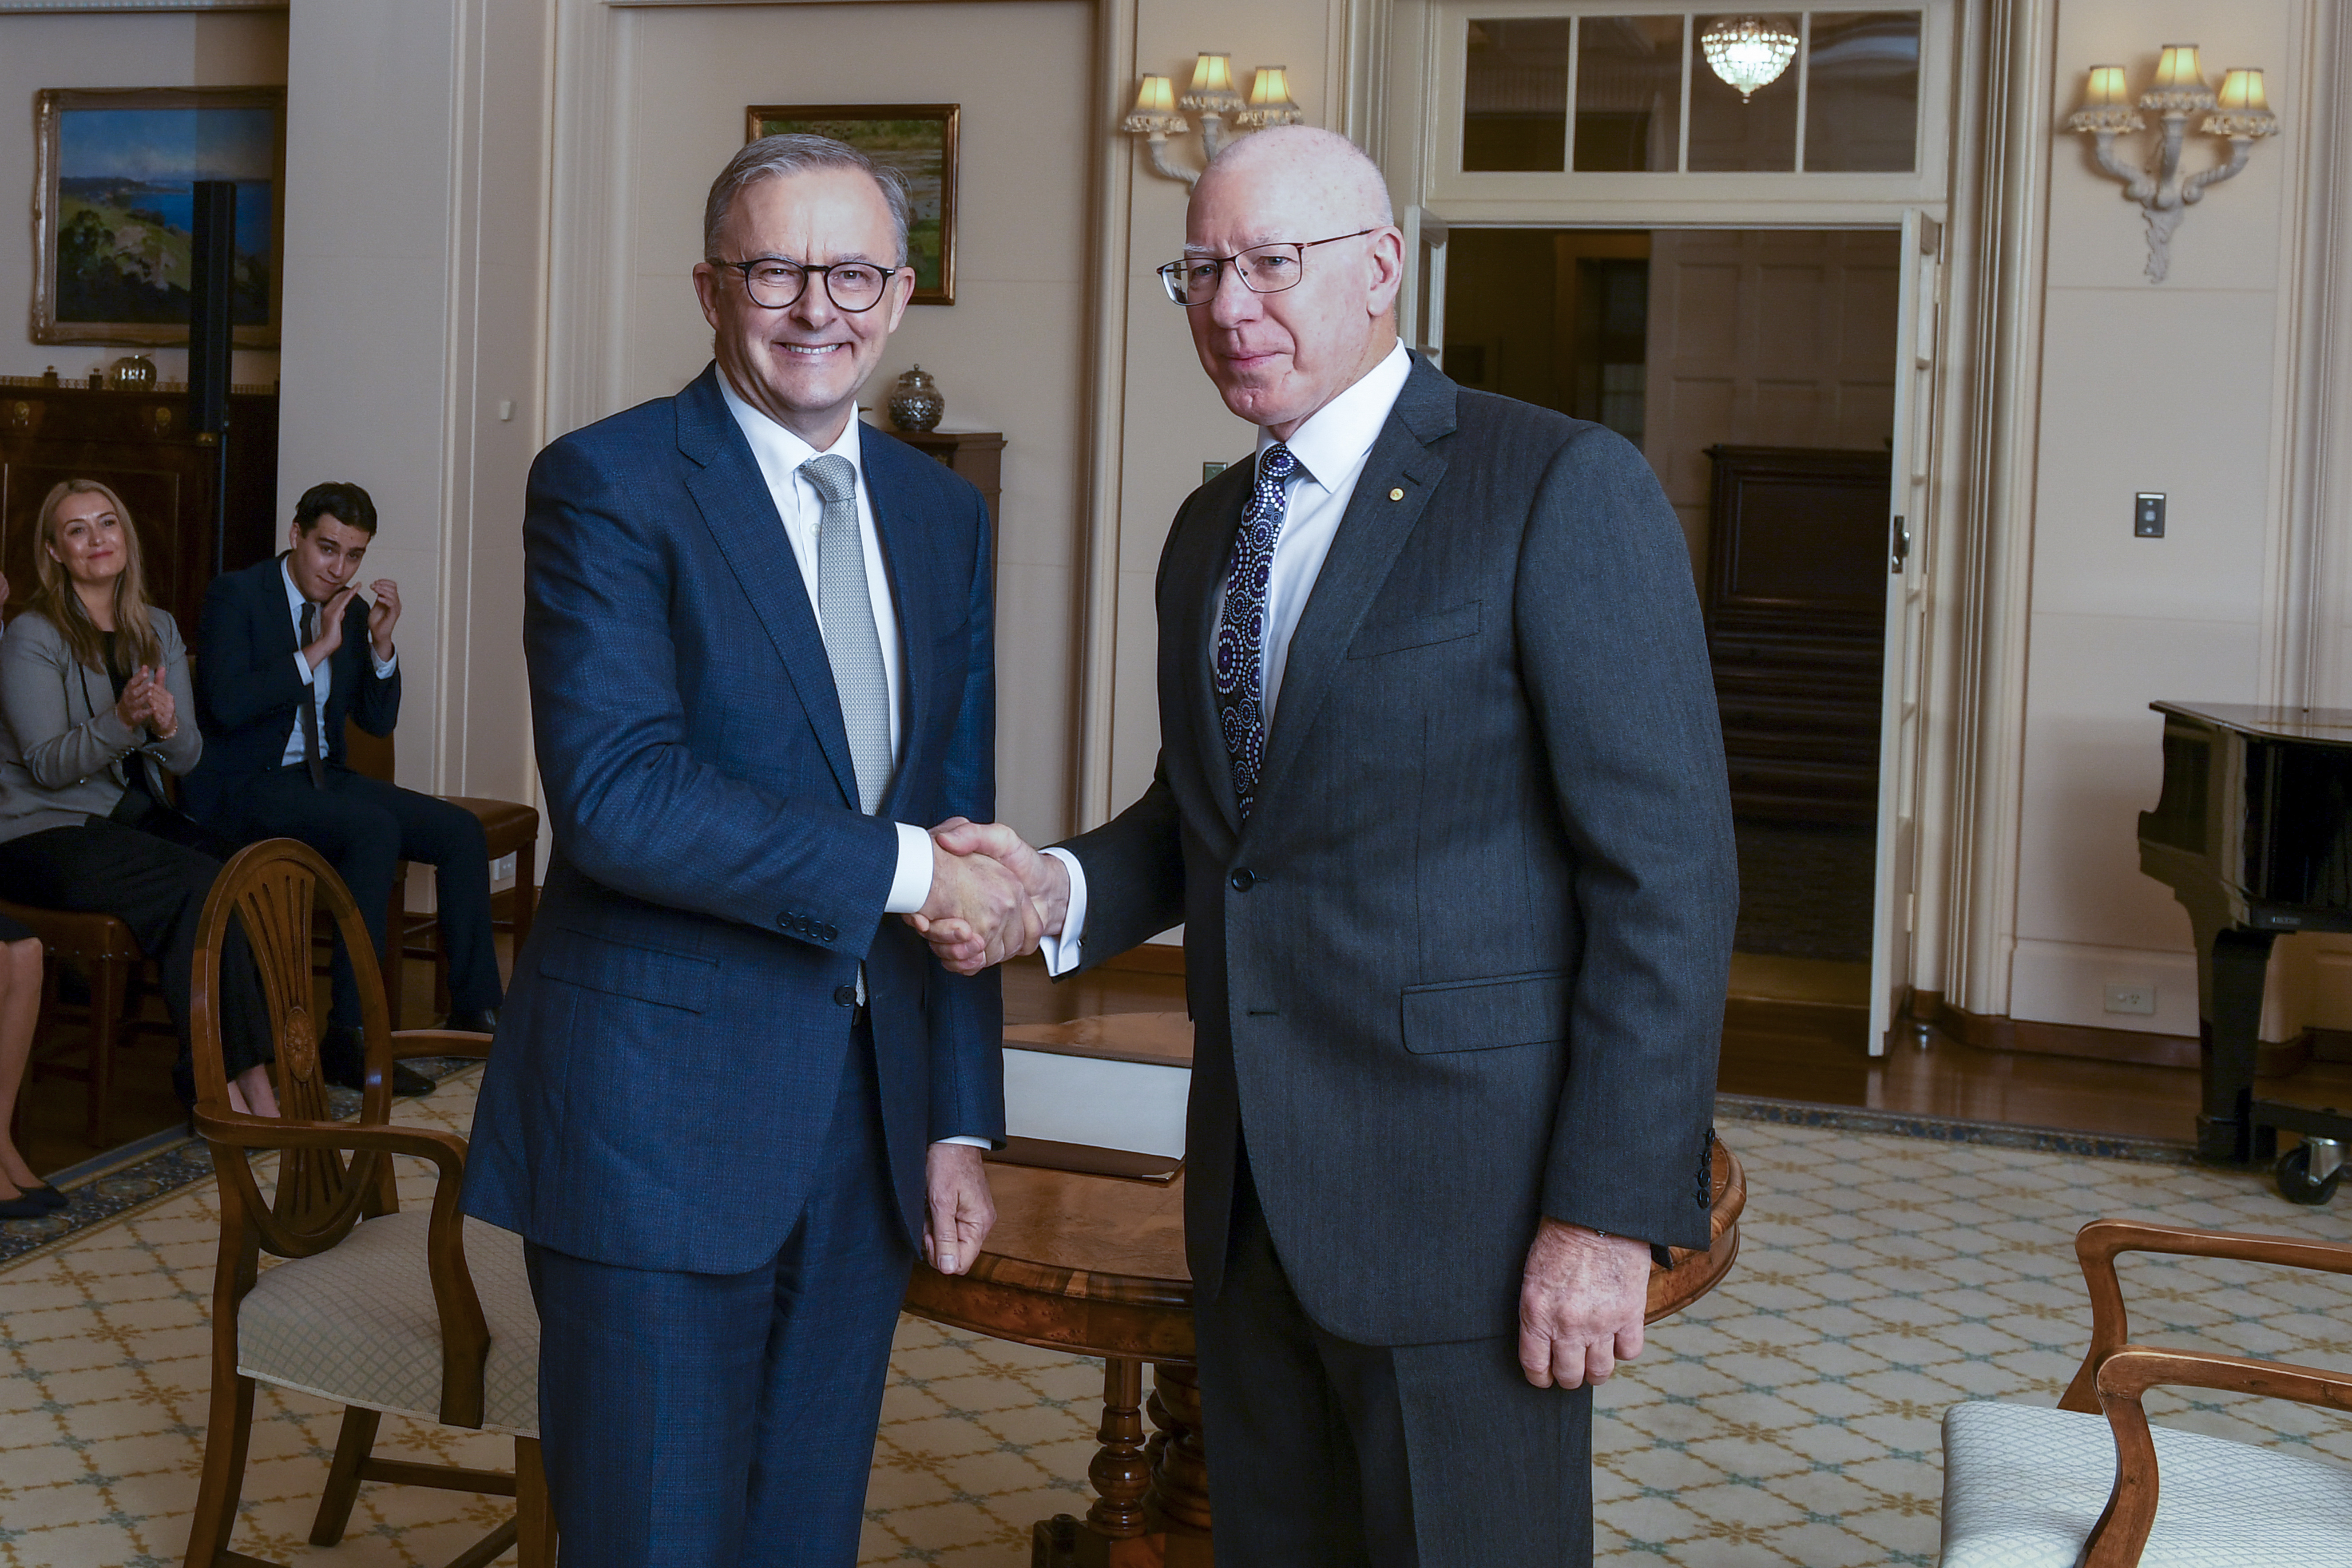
x=2236 y=963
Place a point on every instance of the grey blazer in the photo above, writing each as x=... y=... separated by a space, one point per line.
x=1465 y=965
x=63 y=752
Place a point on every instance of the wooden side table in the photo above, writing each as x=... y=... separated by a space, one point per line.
x=1094 y=1265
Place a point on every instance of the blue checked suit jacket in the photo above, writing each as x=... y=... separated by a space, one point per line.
x=673 y=1039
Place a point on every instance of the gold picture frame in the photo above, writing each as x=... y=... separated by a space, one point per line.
x=112 y=195
x=919 y=140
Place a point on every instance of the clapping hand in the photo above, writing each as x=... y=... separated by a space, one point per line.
x=146 y=700
x=383 y=616
x=1044 y=880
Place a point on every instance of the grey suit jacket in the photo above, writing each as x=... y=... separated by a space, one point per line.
x=63 y=752
x=1465 y=965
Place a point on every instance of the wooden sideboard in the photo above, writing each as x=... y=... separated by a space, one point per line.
x=139 y=443
x=1795 y=602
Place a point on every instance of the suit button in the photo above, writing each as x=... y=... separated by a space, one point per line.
x=828 y=931
x=784 y=921
x=845 y=995
x=1243 y=878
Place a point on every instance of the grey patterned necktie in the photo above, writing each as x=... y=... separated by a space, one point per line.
x=846 y=610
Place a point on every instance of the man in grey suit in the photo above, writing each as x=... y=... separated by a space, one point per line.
x=1440 y=803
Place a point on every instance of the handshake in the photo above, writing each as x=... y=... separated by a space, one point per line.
x=993 y=896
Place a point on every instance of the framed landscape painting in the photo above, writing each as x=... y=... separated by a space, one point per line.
x=918 y=140
x=114 y=201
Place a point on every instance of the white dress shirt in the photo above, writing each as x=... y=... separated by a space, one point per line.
x=320 y=679
x=1331 y=448
x=780 y=453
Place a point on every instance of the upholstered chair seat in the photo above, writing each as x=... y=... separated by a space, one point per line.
x=2024 y=1485
x=358 y=1325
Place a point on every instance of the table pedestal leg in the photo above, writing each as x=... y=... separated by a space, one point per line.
x=1152 y=1504
x=1180 y=1466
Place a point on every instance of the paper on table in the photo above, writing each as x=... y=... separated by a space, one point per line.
x=1131 y=1105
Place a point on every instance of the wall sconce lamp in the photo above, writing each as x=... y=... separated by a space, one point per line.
x=1212 y=97
x=2238 y=113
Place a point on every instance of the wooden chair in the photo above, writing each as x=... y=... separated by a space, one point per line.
x=382 y=1309
x=2025 y=1487
x=103 y=948
x=511 y=828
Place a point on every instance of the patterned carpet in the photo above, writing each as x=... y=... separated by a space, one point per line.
x=1790 y=1418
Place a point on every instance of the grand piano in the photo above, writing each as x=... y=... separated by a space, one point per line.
x=2254 y=835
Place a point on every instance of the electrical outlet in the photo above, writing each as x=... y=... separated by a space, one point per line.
x=2147 y=516
x=2124 y=999
x=502 y=869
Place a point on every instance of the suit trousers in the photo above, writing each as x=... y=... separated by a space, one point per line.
x=728 y=1420
x=158 y=889
x=1329 y=1454
x=364 y=827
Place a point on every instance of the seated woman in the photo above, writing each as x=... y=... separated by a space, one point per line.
x=84 y=823
x=23 y=1195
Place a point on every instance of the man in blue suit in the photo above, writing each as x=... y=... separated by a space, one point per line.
x=289 y=652
x=731 y=1096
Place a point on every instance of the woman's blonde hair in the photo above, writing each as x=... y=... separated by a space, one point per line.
x=54 y=596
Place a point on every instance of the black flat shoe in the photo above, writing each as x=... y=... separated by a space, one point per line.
x=408 y=1083
x=47 y=1195
x=480 y=1020
x=23 y=1208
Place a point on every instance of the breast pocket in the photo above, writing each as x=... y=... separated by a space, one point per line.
x=1417 y=632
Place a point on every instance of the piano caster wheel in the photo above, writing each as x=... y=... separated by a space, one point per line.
x=2295 y=1182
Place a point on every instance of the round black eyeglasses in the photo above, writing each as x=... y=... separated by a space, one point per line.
x=773 y=284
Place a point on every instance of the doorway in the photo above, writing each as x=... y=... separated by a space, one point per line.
x=1758 y=371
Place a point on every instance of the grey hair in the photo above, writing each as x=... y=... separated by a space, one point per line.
x=794 y=152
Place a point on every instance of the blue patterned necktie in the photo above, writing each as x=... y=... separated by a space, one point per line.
x=1239 y=665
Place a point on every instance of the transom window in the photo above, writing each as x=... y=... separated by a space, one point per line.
x=1638 y=93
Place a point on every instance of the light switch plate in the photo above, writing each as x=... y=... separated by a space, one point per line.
x=2147 y=514
x=2120 y=997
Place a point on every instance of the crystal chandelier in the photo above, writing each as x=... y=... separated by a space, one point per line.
x=1749 y=52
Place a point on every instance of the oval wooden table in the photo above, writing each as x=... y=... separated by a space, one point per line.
x=1094 y=1265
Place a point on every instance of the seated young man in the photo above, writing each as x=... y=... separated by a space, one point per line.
x=290 y=649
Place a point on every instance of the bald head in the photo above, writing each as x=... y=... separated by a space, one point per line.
x=1316 y=170
x=1327 y=312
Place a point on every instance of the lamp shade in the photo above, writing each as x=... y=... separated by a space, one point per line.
x=1749 y=52
x=1156 y=96
x=1212 y=86
x=1269 y=99
x=2108 y=89
x=2242 y=93
x=2179 y=66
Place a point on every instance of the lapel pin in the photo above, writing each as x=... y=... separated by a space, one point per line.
x=1396 y=495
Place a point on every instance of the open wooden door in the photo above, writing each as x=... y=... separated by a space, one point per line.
x=1894 y=912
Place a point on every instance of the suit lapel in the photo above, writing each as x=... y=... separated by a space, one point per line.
x=1195 y=571
x=732 y=496
x=1372 y=532
x=913 y=588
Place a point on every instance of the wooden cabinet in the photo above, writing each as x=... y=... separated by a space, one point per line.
x=978 y=455
x=1795 y=601
x=139 y=443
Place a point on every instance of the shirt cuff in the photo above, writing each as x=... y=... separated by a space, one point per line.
x=1061 y=953
x=303 y=666
x=384 y=667
x=968 y=1143
x=910 y=889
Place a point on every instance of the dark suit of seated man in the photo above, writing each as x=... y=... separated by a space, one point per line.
x=290 y=650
